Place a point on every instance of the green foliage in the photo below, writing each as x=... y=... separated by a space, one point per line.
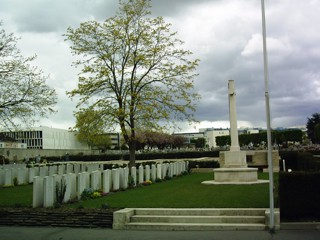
x=299 y=195
x=300 y=161
x=175 y=194
x=291 y=135
x=223 y=140
x=60 y=191
x=90 y=129
x=25 y=96
x=15 y=181
x=199 y=142
x=204 y=164
x=90 y=193
x=19 y=195
x=134 y=71
x=312 y=129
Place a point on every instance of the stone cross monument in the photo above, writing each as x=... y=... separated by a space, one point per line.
x=235 y=157
x=233 y=163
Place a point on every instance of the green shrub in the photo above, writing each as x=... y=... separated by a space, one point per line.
x=299 y=195
x=204 y=164
x=60 y=191
x=300 y=161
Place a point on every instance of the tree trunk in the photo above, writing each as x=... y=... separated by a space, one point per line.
x=132 y=154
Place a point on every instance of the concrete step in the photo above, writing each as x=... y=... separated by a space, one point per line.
x=201 y=211
x=194 y=226
x=193 y=219
x=196 y=219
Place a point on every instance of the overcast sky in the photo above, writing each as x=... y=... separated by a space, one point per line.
x=224 y=34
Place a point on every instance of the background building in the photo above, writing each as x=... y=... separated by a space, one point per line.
x=47 y=138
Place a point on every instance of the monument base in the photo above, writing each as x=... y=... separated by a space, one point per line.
x=235 y=176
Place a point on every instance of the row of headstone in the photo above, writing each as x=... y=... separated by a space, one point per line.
x=44 y=187
x=24 y=175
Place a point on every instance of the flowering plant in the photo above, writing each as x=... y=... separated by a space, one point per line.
x=147 y=182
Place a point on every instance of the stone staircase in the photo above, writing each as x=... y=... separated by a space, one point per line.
x=193 y=219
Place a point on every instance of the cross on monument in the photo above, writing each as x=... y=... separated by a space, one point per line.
x=233 y=117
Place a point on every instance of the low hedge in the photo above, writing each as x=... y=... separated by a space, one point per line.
x=299 y=196
x=139 y=156
x=300 y=161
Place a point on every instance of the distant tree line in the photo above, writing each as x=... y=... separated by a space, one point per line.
x=278 y=137
x=158 y=140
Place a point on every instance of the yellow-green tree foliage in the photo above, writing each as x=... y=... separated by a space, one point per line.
x=134 y=71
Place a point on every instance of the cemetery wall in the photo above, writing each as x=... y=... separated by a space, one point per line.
x=92 y=218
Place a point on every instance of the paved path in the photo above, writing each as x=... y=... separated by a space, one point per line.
x=51 y=233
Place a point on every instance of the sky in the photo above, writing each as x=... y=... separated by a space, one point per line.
x=226 y=35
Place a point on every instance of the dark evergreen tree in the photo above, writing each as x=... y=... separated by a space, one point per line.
x=313 y=128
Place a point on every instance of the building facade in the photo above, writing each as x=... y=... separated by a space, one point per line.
x=210 y=135
x=47 y=138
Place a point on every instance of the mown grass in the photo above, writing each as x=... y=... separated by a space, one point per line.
x=186 y=192
x=18 y=196
x=181 y=192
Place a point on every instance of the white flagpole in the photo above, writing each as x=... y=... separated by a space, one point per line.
x=266 y=77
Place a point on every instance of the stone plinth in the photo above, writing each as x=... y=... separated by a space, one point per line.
x=233 y=159
x=235 y=176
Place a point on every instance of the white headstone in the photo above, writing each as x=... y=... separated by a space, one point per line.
x=37 y=195
x=61 y=169
x=69 y=168
x=1 y=177
x=171 y=170
x=71 y=186
x=22 y=172
x=31 y=174
x=77 y=168
x=147 y=172
x=134 y=175
x=96 y=180
x=141 y=173
x=159 y=167
x=83 y=182
x=153 y=173
x=8 y=179
x=106 y=180
x=48 y=191
x=115 y=179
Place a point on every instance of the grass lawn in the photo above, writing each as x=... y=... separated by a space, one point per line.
x=181 y=192
x=18 y=196
x=187 y=192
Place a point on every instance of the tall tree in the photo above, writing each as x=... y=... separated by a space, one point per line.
x=313 y=124
x=24 y=94
x=135 y=71
x=90 y=129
